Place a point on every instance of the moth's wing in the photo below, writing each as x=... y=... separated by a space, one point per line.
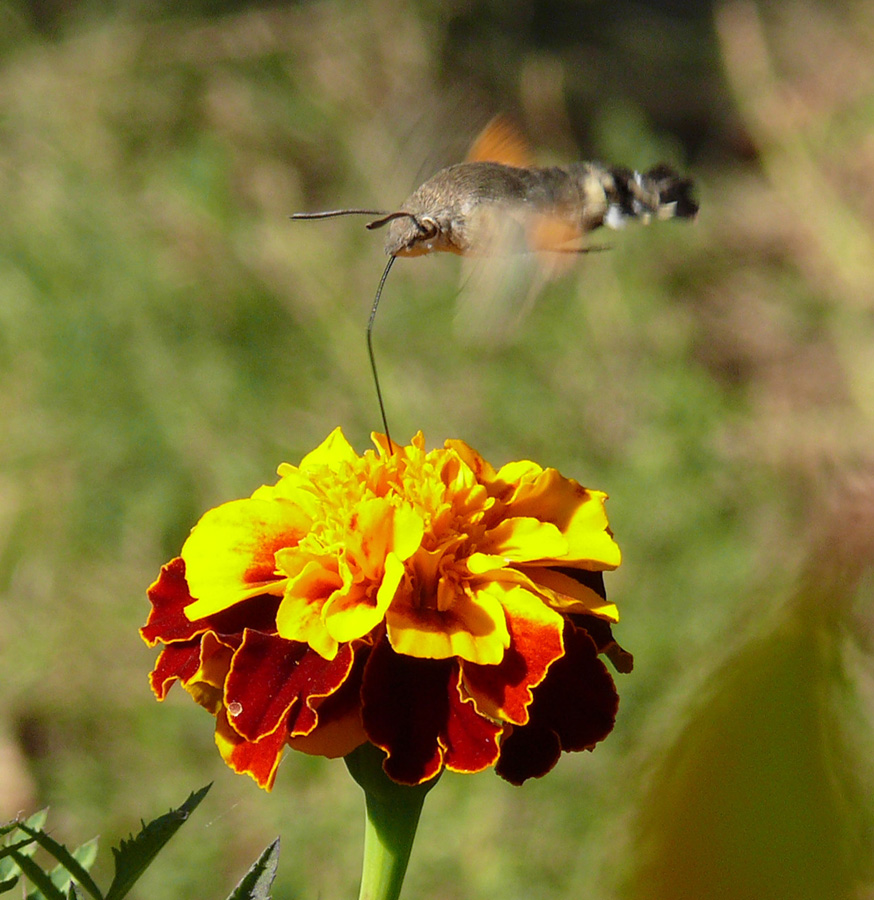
x=501 y=283
x=520 y=250
x=501 y=141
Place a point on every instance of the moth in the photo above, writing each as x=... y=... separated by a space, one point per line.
x=497 y=203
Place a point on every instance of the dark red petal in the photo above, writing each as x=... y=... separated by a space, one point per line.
x=273 y=679
x=592 y=580
x=601 y=633
x=471 y=740
x=179 y=660
x=169 y=596
x=259 y=759
x=405 y=707
x=348 y=696
x=257 y=613
x=573 y=709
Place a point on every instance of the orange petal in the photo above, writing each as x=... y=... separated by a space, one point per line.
x=334 y=739
x=503 y=691
x=482 y=469
x=260 y=759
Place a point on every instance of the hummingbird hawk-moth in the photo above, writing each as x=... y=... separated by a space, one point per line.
x=498 y=203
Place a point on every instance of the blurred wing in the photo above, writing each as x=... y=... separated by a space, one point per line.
x=501 y=284
x=519 y=250
x=501 y=142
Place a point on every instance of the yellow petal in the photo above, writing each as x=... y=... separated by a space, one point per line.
x=352 y=614
x=588 y=535
x=230 y=554
x=520 y=473
x=482 y=563
x=473 y=628
x=482 y=469
x=577 y=512
x=299 y=617
x=566 y=594
x=332 y=452
x=523 y=538
x=408 y=530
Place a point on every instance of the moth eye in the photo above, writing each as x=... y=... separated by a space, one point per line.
x=427 y=228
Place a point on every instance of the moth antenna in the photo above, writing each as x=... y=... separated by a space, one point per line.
x=378 y=223
x=370 y=321
x=595 y=248
x=332 y=213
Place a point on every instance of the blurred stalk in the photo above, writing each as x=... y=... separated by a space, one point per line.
x=765 y=791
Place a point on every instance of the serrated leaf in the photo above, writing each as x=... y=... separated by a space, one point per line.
x=7 y=851
x=134 y=855
x=255 y=884
x=9 y=868
x=38 y=819
x=70 y=866
x=13 y=831
x=39 y=878
x=8 y=884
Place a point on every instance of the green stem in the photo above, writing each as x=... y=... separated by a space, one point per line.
x=392 y=818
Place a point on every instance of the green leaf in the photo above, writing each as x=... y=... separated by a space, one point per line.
x=27 y=846
x=70 y=867
x=10 y=871
x=8 y=884
x=6 y=853
x=133 y=856
x=256 y=883
x=39 y=878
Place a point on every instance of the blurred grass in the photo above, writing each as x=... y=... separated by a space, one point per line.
x=167 y=337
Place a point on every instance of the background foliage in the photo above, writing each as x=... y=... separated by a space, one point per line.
x=167 y=337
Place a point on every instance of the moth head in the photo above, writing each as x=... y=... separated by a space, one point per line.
x=408 y=234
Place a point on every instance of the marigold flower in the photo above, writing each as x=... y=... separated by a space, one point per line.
x=446 y=612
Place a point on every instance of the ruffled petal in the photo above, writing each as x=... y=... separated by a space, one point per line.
x=169 y=596
x=299 y=617
x=230 y=553
x=577 y=512
x=339 y=729
x=522 y=539
x=177 y=661
x=568 y=594
x=272 y=680
x=573 y=709
x=504 y=691
x=354 y=613
x=473 y=627
x=259 y=759
x=470 y=740
x=404 y=708
x=482 y=470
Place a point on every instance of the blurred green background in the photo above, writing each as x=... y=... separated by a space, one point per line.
x=168 y=336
